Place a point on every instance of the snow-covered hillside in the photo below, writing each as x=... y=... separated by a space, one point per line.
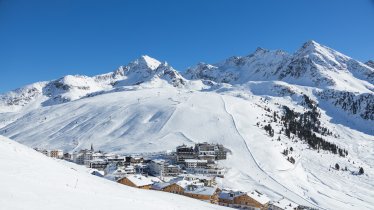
x=30 y=180
x=147 y=106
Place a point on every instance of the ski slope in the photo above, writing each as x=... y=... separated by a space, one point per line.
x=159 y=119
x=147 y=106
x=30 y=180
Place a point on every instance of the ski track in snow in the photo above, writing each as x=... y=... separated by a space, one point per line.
x=258 y=166
x=161 y=124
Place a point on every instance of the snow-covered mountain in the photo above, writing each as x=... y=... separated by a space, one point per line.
x=244 y=103
x=31 y=180
x=143 y=71
x=331 y=74
x=312 y=65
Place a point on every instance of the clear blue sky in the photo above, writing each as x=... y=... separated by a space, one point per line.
x=47 y=39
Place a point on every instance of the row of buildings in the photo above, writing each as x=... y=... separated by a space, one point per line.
x=56 y=153
x=201 y=158
x=204 y=188
x=164 y=168
x=190 y=171
x=198 y=159
x=201 y=151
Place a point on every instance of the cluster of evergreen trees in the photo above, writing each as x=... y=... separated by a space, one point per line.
x=291 y=159
x=269 y=130
x=286 y=152
x=306 y=125
x=360 y=170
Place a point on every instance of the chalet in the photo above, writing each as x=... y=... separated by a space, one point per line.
x=243 y=200
x=56 y=153
x=178 y=184
x=283 y=204
x=161 y=186
x=208 y=194
x=138 y=181
x=226 y=197
x=190 y=189
x=252 y=199
x=175 y=188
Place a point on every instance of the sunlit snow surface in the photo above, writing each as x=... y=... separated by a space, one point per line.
x=147 y=106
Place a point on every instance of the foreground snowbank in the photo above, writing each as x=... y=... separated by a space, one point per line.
x=30 y=180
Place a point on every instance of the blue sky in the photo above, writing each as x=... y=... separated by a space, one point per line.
x=47 y=39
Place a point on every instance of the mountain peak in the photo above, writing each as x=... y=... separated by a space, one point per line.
x=318 y=50
x=146 y=61
x=260 y=50
x=311 y=45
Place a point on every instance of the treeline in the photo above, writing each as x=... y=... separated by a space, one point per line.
x=306 y=125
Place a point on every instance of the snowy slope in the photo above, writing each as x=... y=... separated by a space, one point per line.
x=159 y=119
x=31 y=180
x=147 y=106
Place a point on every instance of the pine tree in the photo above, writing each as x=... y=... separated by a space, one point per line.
x=337 y=166
x=292 y=160
x=361 y=171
